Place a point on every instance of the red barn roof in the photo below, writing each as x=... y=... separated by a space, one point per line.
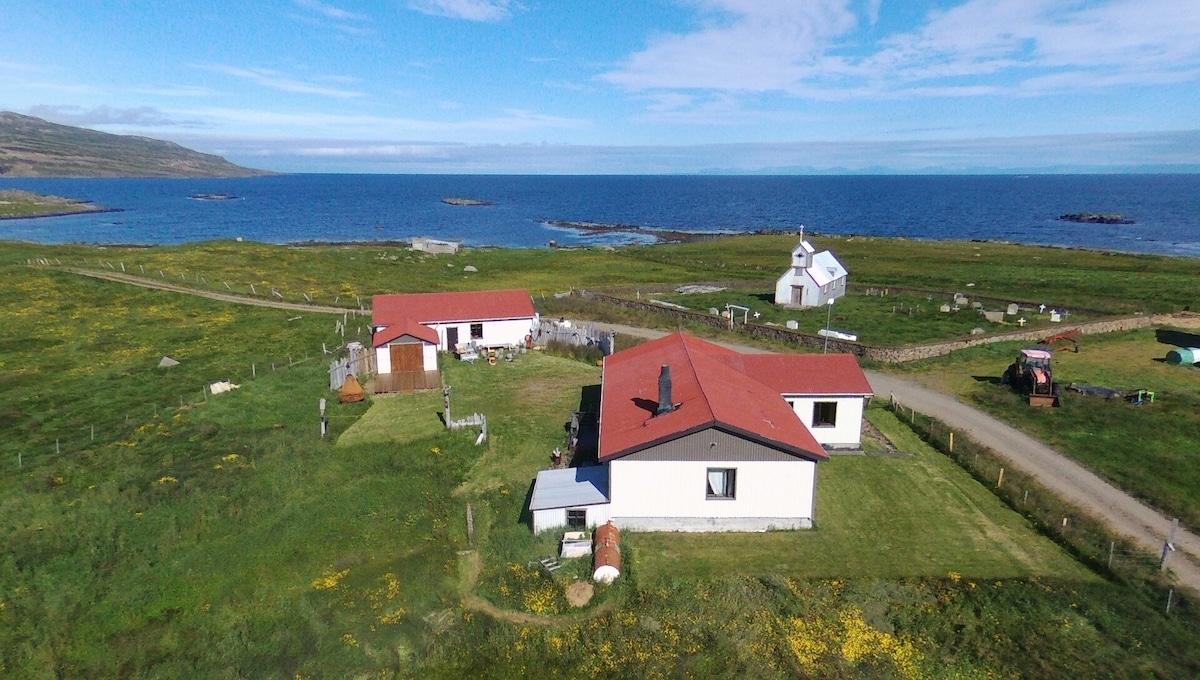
x=716 y=387
x=402 y=328
x=427 y=308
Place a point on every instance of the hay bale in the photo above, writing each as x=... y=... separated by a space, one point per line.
x=352 y=390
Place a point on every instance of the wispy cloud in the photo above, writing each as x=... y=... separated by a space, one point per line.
x=18 y=67
x=140 y=116
x=470 y=10
x=176 y=91
x=275 y=81
x=566 y=85
x=363 y=126
x=745 y=45
x=1094 y=153
x=324 y=14
x=330 y=11
x=814 y=49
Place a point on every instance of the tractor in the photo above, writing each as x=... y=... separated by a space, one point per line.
x=1030 y=373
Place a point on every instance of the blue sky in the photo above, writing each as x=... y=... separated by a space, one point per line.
x=623 y=86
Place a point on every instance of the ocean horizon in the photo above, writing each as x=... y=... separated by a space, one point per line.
x=528 y=210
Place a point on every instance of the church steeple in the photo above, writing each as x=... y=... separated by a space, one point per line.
x=802 y=253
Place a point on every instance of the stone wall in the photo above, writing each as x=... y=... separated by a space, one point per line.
x=883 y=354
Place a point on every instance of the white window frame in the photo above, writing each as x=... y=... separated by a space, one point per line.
x=817 y=420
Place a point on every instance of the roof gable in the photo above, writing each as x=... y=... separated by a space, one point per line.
x=709 y=387
x=428 y=308
x=402 y=328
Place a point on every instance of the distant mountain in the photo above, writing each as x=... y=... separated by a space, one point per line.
x=32 y=147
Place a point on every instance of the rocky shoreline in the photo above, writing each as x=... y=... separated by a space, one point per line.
x=39 y=216
x=458 y=200
x=659 y=235
x=1095 y=218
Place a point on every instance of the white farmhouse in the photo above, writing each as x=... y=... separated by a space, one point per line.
x=697 y=437
x=487 y=318
x=813 y=279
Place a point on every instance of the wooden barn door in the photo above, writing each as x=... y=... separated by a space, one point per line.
x=407 y=357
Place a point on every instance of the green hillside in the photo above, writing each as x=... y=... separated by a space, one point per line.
x=32 y=147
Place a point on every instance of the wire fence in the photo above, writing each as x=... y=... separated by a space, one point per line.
x=46 y=446
x=1084 y=536
x=354 y=305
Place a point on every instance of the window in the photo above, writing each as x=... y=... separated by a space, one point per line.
x=721 y=483
x=825 y=414
x=476 y=331
x=577 y=518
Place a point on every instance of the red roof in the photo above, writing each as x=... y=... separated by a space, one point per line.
x=402 y=328
x=716 y=387
x=810 y=374
x=427 y=308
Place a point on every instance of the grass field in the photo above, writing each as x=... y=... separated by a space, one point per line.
x=877 y=517
x=154 y=531
x=1113 y=283
x=881 y=320
x=1144 y=449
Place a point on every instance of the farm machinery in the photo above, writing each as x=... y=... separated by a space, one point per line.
x=1031 y=374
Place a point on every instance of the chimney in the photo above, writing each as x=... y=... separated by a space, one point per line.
x=665 y=405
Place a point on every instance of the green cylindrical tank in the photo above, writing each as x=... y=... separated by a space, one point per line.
x=1184 y=355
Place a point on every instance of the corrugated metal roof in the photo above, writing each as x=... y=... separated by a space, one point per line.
x=402 y=328
x=805 y=374
x=481 y=305
x=570 y=487
x=710 y=387
x=826 y=268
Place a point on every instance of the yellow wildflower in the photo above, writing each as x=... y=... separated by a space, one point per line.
x=330 y=579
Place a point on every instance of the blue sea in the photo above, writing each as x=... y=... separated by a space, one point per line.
x=313 y=207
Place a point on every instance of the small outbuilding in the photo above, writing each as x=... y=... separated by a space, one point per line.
x=571 y=497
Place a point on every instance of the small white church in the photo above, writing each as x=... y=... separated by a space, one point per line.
x=814 y=279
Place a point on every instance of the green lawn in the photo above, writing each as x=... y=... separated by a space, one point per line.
x=1146 y=450
x=878 y=517
x=881 y=320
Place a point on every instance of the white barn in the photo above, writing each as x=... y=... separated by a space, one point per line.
x=813 y=279
x=697 y=437
x=488 y=318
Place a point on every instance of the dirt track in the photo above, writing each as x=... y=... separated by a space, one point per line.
x=1124 y=514
x=144 y=282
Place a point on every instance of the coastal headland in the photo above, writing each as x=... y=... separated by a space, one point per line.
x=16 y=204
